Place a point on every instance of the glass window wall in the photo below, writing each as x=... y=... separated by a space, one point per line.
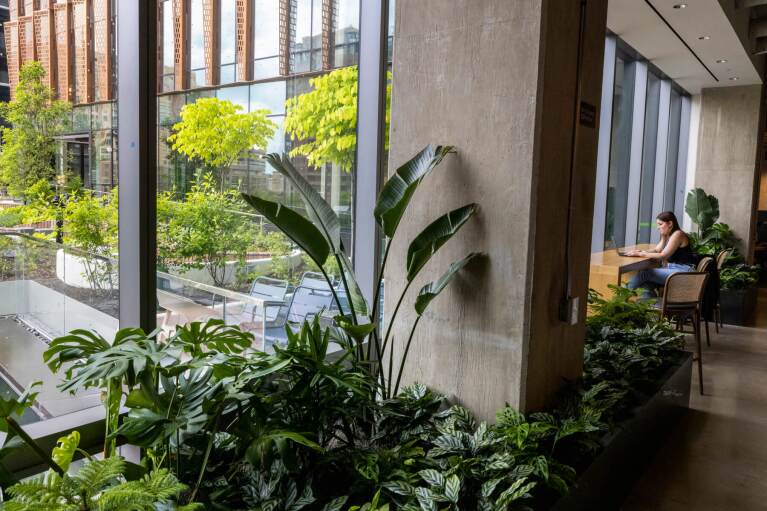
x=620 y=152
x=652 y=105
x=672 y=154
x=197 y=45
x=228 y=41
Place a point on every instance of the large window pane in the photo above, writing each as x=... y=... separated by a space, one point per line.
x=649 y=146
x=266 y=31
x=197 y=47
x=347 y=33
x=672 y=155
x=228 y=41
x=620 y=152
x=167 y=79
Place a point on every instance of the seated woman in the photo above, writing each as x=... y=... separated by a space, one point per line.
x=673 y=249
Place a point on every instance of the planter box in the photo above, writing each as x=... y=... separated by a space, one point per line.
x=632 y=445
x=738 y=306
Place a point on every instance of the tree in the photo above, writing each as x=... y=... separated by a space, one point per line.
x=90 y=224
x=216 y=133
x=207 y=229
x=325 y=119
x=29 y=146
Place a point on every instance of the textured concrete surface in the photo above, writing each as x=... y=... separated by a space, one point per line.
x=727 y=154
x=715 y=460
x=483 y=75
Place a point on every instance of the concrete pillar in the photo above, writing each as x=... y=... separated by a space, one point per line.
x=728 y=147
x=499 y=79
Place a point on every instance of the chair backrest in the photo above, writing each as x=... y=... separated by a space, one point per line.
x=314 y=280
x=703 y=264
x=268 y=288
x=307 y=302
x=684 y=289
x=722 y=257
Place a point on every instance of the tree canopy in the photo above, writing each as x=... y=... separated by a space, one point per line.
x=36 y=118
x=217 y=133
x=325 y=119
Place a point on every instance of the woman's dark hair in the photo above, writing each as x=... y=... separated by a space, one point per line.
x=669 y=216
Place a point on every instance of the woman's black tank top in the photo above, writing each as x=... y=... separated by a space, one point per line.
x=683 y=255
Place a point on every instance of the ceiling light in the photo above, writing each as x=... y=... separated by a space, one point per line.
x=721 y=61
x=704 y=37
x=680 y=6
x=734 y=78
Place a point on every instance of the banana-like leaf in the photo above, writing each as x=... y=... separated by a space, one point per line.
x=320 y=212
x=434 y=236
x=430 y=291
x=356 y=332
x=356 y=297
x=398 y=190
x=702 y=208
x=295 y=226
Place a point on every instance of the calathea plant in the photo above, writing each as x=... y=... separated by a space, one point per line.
x=319 y=236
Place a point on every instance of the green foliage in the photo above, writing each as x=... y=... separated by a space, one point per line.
x=216 y=133
x=702 y=208
x=738 y=277
x=29 y=146
x=206 y=229
x=11 y=217
x=622 y=310
x=714 y=240
x=100 y=485
x=325 y=119
x=319 y=237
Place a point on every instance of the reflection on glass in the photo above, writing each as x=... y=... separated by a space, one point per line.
x=168 y=58
x=197 y=49
x=269 y=96
x=266 y=32
x=672 y=154
x=228 y=41
x=347 y=33
x=620 y=152
x=237 y=95
x=646 y=214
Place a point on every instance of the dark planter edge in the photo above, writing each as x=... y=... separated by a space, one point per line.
x=631 y=446
x=737 y=306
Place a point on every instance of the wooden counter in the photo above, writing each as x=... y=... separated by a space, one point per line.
x=609 y=268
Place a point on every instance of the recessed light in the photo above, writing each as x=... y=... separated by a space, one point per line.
x=680 y=6
x=721 y=61
x=704 y=37
x=734 y=78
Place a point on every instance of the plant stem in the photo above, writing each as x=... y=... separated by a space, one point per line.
x=342 y=271
x=204 y=465
x=330 y=285
x=376 y=296
x=394 y=315
x=33 y=445
x=404 y=355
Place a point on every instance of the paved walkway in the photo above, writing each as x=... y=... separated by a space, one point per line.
x=716 y=459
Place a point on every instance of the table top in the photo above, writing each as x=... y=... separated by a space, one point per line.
x=609 y=258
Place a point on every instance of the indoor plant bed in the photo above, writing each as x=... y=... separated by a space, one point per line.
x=608 y=479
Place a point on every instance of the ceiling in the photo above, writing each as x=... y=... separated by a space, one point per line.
x=726 y=25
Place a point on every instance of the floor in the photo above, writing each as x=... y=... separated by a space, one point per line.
x=21 y=356
x=716 y=459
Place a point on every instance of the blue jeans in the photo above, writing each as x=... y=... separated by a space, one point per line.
x=654 y=278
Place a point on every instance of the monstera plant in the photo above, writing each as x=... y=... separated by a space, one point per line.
x=319 y=236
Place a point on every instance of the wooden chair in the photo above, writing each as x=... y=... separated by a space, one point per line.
x=720 y=260
x=682 y=301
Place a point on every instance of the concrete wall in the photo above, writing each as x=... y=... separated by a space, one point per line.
x=495 y=78
x=727 y=154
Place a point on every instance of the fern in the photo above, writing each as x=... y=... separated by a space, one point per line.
x=142 y=495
